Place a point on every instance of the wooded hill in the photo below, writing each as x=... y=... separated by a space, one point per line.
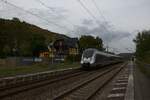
x=23 y=39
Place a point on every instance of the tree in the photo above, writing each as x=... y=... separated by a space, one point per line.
x=142 y=42
x=90 y=42
x=38 y=44
x=22 y=39
x=16 y=19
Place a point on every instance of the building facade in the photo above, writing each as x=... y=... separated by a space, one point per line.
x=61 y=48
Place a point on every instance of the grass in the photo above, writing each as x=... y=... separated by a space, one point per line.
x=144 y=68
x=20 y=70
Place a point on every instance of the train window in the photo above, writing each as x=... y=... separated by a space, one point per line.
x=100 y=58
x=111 y=58
x=88 y=53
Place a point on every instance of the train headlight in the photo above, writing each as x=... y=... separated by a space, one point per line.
x=81 y=62
x=86 y=60
x=92 y=60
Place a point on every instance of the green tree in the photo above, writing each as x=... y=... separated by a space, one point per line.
x=142 y=42
x=90 y=42
x=22 y=39
x=38 y=44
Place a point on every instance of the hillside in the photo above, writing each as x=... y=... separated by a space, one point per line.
x=23 y=39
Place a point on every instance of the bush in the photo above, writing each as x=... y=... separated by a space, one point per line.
x=73 y=58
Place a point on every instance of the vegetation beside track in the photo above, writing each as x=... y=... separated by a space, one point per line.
x=20 y=70
x=144 y=68
x=142 y=42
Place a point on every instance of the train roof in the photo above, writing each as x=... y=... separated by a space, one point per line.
x=90 y=49
x=107 y=54
x=102 y=53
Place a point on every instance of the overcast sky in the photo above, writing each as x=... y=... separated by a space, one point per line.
x=116 y=23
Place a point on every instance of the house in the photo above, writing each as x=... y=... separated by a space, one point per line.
x=61 y=48
x=44 y=54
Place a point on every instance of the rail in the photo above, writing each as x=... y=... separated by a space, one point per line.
x=79 y=86
x=21 y=79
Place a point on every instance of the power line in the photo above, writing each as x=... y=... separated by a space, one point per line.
x=87 y=10
x=52 y=9
x=45 y=5
x=99 y=11
x=97 y=21
x=49 y=22
x=90 y=13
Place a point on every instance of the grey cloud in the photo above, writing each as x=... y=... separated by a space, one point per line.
x=65 y=10
x=48 y=14
x=87 y=22
x=102 y=30
x=7 y=11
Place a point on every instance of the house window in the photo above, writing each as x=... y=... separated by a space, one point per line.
x=73 y=51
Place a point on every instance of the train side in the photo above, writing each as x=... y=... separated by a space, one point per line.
x=94 y=58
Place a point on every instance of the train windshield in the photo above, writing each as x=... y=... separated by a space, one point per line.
x=88 y=53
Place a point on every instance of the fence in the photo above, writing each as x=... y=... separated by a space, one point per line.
x=18 y=61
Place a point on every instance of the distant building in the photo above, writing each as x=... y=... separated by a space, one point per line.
x=126 y=56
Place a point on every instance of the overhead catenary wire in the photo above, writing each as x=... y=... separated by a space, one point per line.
x=104 y=18
x=87 y=10
x=99 y=11
x=42 y=3
x=97 y=21
x=90 y=13
x=52 y=9
x=29 y=12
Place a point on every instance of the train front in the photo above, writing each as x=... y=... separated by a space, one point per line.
x=88 y=59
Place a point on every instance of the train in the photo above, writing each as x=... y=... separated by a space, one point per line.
x=94 y=58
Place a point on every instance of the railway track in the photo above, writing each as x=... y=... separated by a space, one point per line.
x=14 y=89
x=72 y=86
x=87 y=89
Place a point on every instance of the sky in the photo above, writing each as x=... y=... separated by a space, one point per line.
x=116 y=21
